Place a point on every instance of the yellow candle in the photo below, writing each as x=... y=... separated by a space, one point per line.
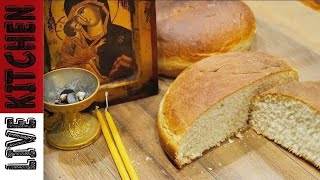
x=123 y=152
x=113 y=149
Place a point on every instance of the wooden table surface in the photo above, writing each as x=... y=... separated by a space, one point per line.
x=285 y=29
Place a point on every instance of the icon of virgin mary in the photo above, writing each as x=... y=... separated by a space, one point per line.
x=106 y=46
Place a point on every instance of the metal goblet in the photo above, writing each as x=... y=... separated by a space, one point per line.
x=71 y=129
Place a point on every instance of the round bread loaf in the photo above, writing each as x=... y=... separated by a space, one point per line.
x=210 y=100
x=189 y=31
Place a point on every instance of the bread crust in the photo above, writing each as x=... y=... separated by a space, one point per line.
x=314 y=4
x=213 y=79
x=192 y=30
x=307 y=92
x=167 y=142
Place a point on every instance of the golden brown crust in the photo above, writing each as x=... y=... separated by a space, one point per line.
x=204 y=84
x=212 y=79
x=308 y=92
x=189 y=31
x=168 y=143
x=314 y=4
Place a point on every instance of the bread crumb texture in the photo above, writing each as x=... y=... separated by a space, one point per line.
x=290 y=116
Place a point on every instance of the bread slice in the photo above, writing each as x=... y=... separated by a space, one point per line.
x=209 y=101
x=290 y=115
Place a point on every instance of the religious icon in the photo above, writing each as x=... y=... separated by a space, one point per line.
x=105 y=38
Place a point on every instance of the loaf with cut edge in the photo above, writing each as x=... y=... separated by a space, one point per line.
x=210 y=100
x=290 y=116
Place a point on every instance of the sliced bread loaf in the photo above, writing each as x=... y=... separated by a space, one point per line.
x=290 y=115
x=209 y=101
